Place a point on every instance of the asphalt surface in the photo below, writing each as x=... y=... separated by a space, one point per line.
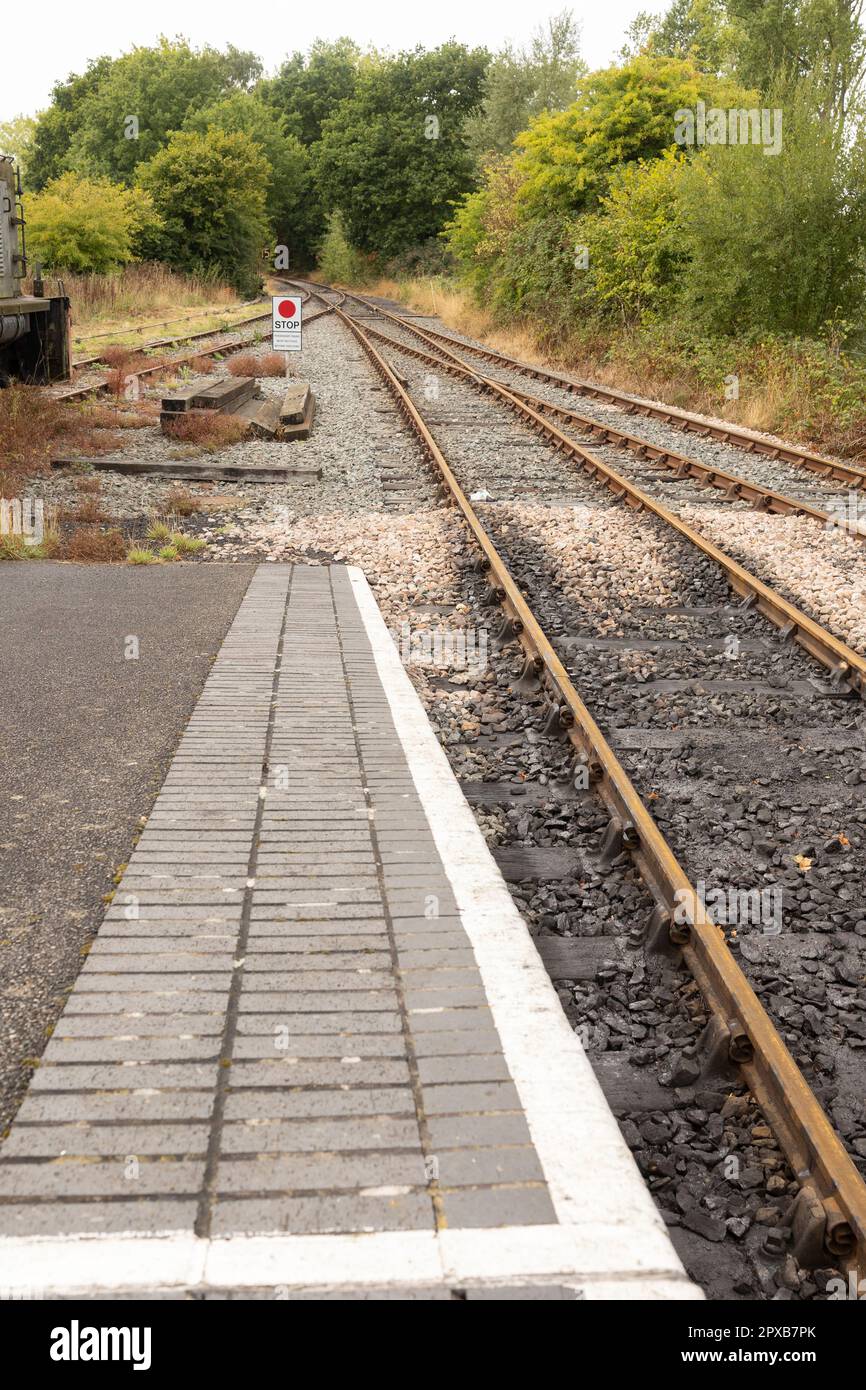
x=86 y=736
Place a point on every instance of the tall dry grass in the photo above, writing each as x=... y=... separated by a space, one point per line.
x=142 y=289
x=457 y=309
x=34 y=427
x=149 y=299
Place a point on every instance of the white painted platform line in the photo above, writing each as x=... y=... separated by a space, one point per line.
x=597 y=1191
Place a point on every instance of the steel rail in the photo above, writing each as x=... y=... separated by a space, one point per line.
x=748 y=440
x=161 y=323
x=846 y=666
x=829 y=1214
x=180 y=337
x=734 y=487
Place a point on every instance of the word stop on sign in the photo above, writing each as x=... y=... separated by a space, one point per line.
x=286 y=323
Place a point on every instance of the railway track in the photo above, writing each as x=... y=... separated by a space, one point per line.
x=648 y=460
x=724 y=433
x=844 y=666
x=777 y=486
x=155 y=323
x=666 y=736
x=226 y=347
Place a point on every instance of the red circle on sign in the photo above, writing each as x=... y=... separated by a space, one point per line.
x=287 y=308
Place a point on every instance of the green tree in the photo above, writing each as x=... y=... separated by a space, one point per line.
x=701 y=29
x=16 y=138
x=638 y=35
x=622 y=113
x=59 y=122
x=636 y=251
x=393 y=158
x=521 y=84
x=484 y=224
x=822 y=38
x=778 y=243
x=210 y=192
x=307 y=90
x=87 y=224
x=622 y=262
x=292 y=206
x=338 y=261
x=122 y=111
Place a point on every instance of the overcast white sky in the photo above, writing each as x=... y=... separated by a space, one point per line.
x=68 y=35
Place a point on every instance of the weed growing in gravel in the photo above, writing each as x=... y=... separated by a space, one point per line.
x=180 y=502
x=158 y=531
x=110 y=417
x=117 y=355
x=87 y=508
x=122 y=379
x=208 y=429
x=88 y=511
x=248 y=364
x=137 y=555
x=168 y=552
x=13 y=547
x=90 y=543
x=186 y=545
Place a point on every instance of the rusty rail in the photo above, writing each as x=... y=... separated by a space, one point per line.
x=233 y=345
x=844 y=664
x=685 y=420
x=734 y=487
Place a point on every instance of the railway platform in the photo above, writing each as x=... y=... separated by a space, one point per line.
x=313 y=1051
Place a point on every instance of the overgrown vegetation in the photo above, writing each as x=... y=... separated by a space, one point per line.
x=207 y=429
x=142 y=291
x=339 y=261
x=86 y=224
x=252 y=364
x=34 y=427
x=721 y=265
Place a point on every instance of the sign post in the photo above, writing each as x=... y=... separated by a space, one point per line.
x=286 y=322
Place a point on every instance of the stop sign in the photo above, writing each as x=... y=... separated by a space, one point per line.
x=286 y=314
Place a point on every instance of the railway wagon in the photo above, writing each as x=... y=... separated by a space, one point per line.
x=34 y=328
